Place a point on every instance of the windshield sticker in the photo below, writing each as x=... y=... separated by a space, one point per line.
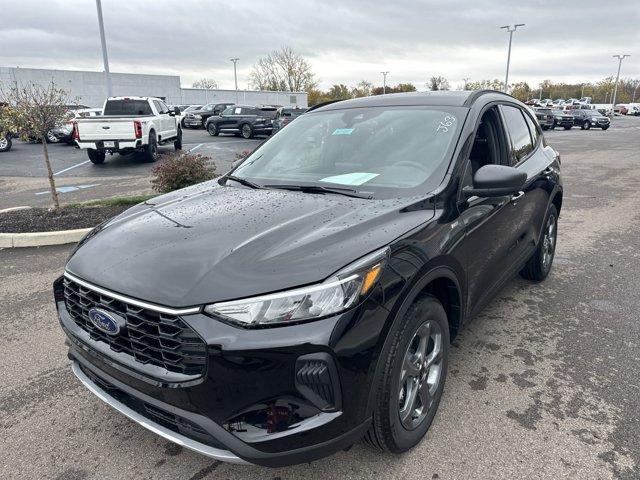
x=355 y=178
x=343 y=131
x=446 y=124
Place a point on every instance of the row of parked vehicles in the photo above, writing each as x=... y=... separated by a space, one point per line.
x=585 y=118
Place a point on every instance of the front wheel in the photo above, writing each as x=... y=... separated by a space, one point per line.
x=51 y=138
x=96 y=156
x=539 y=265
x=177 y=143
x=605 y=128
x=212 y=129
x=5 y=143
x=246 y=131
x=586 y=125
x=567 y=127
x=412 y=381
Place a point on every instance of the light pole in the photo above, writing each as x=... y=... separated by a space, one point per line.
x=466 y=80
x=510 y=29
x=633 y=100
x=582 y=91
x=615 y=89
x=105 y=58
x=235 y=75
x=384 y=82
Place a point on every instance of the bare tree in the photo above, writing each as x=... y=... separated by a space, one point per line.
x=363 y=89
x=282 y=70
x=438 y=83
x=208 y=83
x=34 y=111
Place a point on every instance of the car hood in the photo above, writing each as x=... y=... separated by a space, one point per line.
x=211 y=242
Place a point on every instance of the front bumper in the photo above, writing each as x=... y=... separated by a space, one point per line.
x=192 y=122
x=251 y=404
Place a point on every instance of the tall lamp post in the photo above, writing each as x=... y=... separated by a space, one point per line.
x=384 y=82
x=105 y=58
x=615 y=89
x=510 y=29
x=235 y=74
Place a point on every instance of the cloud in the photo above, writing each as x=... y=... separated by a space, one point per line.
x=345 y=41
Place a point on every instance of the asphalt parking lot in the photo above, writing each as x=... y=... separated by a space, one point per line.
x=543 y=385
x=23 y=175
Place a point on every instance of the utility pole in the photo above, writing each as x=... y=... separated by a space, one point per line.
x=510 y=29
x=582 y=91
x=105 y=58
x=384 y=82
x=466 y=80
x=633 y=100
x=235 y=75
x=615 y=89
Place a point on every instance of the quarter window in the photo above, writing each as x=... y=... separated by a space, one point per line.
x=532 y=128
x=518 y=131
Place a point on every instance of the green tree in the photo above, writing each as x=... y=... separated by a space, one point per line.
x=363 y=89
x=521 y=91
x=339 y=92
x=438 y=83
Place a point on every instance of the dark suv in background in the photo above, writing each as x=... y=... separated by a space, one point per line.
x=586 y=119
x=199 y=118
x=286 y=115
x=545 y=118
x=245 y=120
x=308 y=298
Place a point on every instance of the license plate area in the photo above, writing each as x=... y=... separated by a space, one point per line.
x=109 y=144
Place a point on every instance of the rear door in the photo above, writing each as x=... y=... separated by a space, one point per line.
x=165 y=120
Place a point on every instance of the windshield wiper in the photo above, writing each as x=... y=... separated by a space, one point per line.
x=243 y=181
x=348 y=192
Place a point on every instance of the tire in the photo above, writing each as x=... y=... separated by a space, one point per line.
x=544 y=127
x=389 y=432
x=213 y=129
x=567 y=127
x=177 y=143
x=96 y=156
x=182 y=123
x=605 y=128
x=51 y=138
x=150 y=151
x=539 y=265
x=586 y=125
x=246 y=131
x=5 y=143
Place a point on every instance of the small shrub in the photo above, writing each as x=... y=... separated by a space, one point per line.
x=177 y=171
x=242 y=155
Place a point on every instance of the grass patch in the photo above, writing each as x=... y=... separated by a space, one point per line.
x=114 y=201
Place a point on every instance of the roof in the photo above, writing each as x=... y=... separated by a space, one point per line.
x=458 y=98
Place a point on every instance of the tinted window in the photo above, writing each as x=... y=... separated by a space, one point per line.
x=391 y=151
x=518 y=131
x=533 y=128
x=228 y=111
x=127 y=107
x=267 y=113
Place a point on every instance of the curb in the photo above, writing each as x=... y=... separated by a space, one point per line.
x=42 y=239
x=14 y=209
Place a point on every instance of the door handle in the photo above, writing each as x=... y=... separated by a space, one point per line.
x=517 y=196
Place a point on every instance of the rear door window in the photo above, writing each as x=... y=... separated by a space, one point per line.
x=518 y=131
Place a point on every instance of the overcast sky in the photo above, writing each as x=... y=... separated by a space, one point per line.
x=345 y=41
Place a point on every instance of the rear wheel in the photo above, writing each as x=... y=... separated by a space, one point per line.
x=5 y=143
x=411 y=384
x=51 y=138
x=246 y=131
x=96 y=156
x=539 y=265
x=605 y=128
x=567 y=127
x=150 y=151
x=177 y=143
x=586 y=125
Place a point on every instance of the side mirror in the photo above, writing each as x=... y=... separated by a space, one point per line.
x=496 y=181
x=176 y=110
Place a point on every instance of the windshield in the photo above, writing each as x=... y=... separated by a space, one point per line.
x=387 y=151
x=192 y=108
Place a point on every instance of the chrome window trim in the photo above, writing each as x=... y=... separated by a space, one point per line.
x=132 y=301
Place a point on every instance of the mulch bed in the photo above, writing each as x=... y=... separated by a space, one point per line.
x=67 y=218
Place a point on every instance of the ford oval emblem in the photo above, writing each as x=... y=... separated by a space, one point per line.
x=106 y=322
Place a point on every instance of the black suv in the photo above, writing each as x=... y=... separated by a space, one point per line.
x=545 y=118
x=243 y=120
x=562 y=118
x=586 y=119
x=308 y=298
x=198 y=118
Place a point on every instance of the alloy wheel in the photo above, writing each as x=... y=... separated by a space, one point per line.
x=51 y=137
x=549 y=242
x=3 y=142
x=420 y=375
x=246 y=131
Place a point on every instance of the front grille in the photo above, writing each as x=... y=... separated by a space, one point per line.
x=149 y=337
x=173 y=422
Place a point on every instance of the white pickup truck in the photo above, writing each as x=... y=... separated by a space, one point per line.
x=128 y=124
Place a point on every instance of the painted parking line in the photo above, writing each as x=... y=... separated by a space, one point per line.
x=69 y=188
x=194 y=148
x=70 y=168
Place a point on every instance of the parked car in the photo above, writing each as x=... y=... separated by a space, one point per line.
x=562 y=118
x=190 y=109
x=308 y=298
x=633 y=109
x=245 y=120
x=545 y=117
x=128 y=124
x=285 y=115
x=64 y=132
x=586 y=119
x=199 y=118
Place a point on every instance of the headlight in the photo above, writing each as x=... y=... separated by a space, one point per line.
x=337 y=294
x=198 y=117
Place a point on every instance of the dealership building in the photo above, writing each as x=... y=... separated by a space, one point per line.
x=89 y=88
